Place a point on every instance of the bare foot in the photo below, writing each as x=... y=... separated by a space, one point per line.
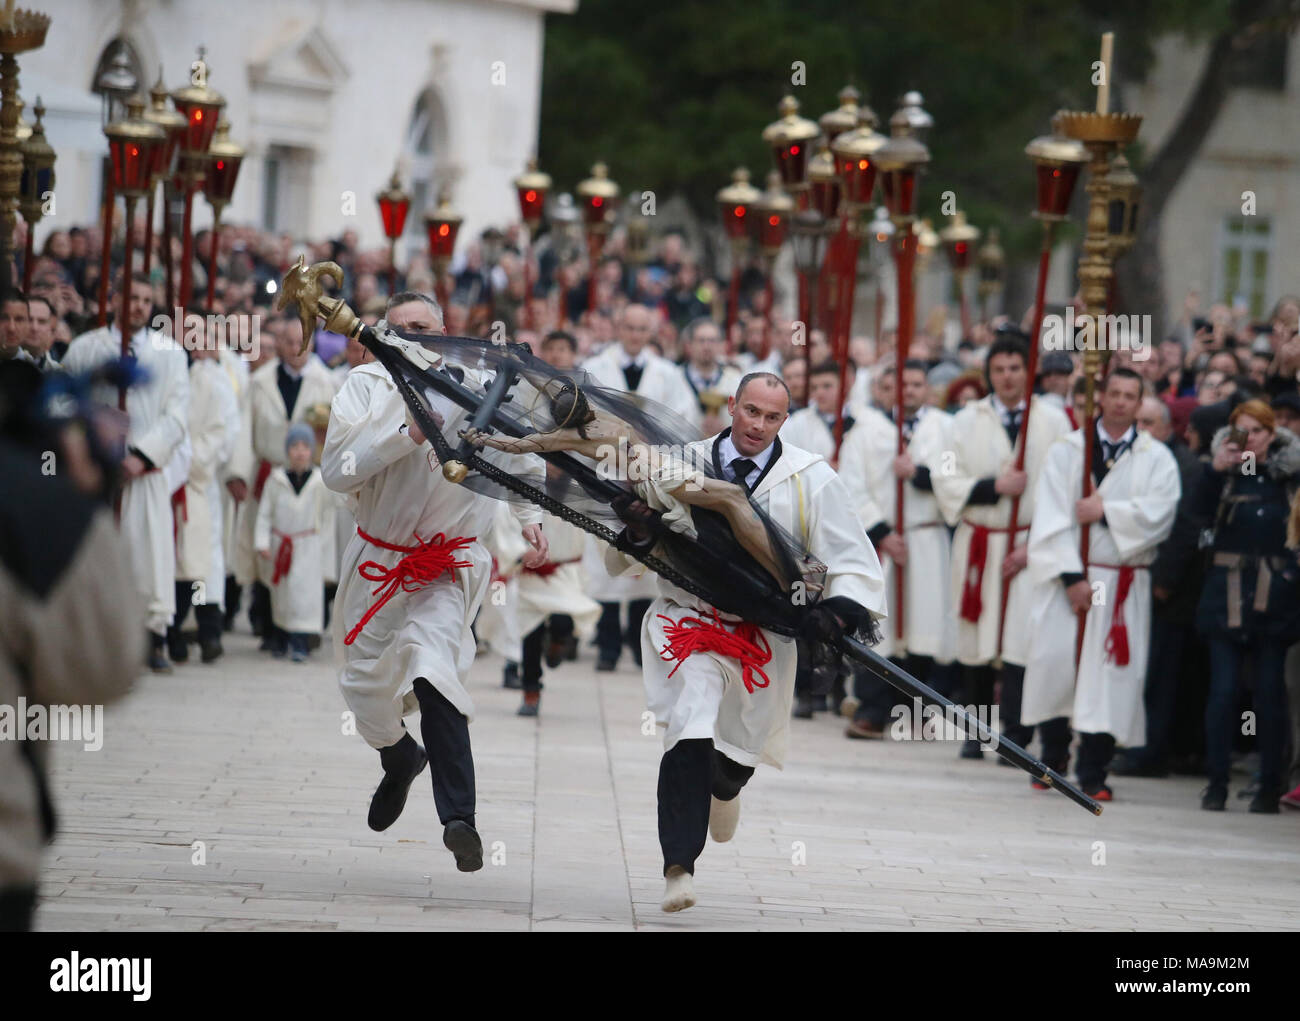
x=723 y=817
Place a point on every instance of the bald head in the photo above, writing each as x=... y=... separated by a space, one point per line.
x=1153 y=417
x=635 y=326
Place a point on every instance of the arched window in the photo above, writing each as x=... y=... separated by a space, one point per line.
x=118 y=74
x=422 y=152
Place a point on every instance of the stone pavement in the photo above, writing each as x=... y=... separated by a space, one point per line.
x=248 y=757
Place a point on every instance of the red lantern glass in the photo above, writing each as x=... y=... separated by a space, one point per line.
x=772 y=231
x=1055 y=186
x=900 y=191
x=221 y=176
x=200 y=124
x=393 y=212
x=859 y=180
x=442 y=236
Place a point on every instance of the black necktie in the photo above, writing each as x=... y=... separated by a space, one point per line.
x=740 y=469
x=632 y=374
x=1013 y=424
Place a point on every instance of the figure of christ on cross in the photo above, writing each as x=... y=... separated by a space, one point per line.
x=672 y=486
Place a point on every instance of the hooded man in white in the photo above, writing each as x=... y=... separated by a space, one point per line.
x=1130 y=513
x=407 y=646
x=158 y=409
x=721 y=715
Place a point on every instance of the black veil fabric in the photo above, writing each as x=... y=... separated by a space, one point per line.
x=713 y=560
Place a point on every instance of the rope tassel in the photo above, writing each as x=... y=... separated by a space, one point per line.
x=421 y=566
x=691 y=634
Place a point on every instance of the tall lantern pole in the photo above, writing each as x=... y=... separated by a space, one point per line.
x=856 y=154
x=808 y=234
x=774 y=209
x=20 y=31
x=532 y=187
x=900 y=161
x=1057 y=162
x=736 y=207
x=132 y=143
x=959 y=239
x=1103 y=133
x=201 y=108
x=394 y=204
x=442 y=225
x=597 y=195
x=37 y=182
x=173 y=125
x=224 y=159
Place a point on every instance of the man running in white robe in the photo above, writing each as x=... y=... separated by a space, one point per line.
x=1130 y=513
x=724 y=712
x=159 y=414
x=975 y=480
x=406 y=644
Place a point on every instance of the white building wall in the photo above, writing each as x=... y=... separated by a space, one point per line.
x=339 y=78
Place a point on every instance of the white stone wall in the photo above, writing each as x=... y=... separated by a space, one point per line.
x=339 y=78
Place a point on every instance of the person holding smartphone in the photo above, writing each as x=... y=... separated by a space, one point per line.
x=1250 y=604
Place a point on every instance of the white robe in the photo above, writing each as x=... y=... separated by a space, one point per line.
x=239 y=465
x=706 y=697
x=807 y=429
x=159 y=420
x=661 y=382
x=306 y=520
x=1139 y=498
x=866 y=466
x=214 y=429
x=979 y=448
x=401 y=497
x=268 y=425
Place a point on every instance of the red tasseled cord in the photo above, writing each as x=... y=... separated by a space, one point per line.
x=691 y=634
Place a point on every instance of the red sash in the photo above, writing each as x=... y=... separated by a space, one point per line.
x=691 y=634
x=180 y=512
x=1117 y=636
x=284 y=555
x=263 y=473
x=421 y=566
x=972 y=603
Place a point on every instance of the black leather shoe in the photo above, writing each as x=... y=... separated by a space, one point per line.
x=178 y=650
x=510 y=677
x=971 y=750
x=1214 y=798
x=462 y=840
x=605 y=666
x=402 y=762
x=803 y=707
x=210 y=652
x=158 y=663
x=1265 y=801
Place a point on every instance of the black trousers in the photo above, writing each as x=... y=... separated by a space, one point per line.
x=234 y=592
x=1095 y=751
x=689 y=773
x=259 y=607
x=207 y=615
x=556 y=628
x=876 y=698
x=1013 y=692
x=446 y=741
x=17 y=908
x=610 y=636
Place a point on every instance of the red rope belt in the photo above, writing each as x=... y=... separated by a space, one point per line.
x=972 y=603
x=550 y=567
x=691 y=634
x=180 y=511
x=259 y=483
x=1117 y=636
x=421 y=566
x=284 y=554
